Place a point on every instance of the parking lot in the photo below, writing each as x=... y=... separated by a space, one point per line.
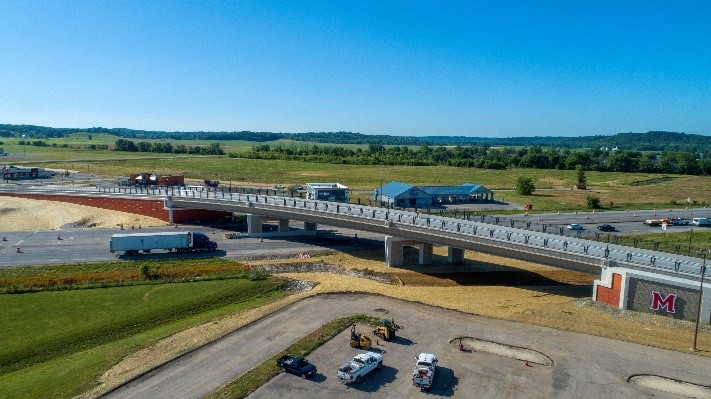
x=583 y=366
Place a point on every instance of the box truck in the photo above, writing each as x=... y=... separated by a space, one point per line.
x=180 y=241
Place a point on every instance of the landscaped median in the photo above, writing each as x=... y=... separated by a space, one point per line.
x=260 y=375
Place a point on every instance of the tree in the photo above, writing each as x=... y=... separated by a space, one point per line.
x=580 y=174
x=525 y=186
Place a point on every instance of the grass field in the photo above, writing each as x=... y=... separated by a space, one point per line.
x=56 y=343
x=615 y=190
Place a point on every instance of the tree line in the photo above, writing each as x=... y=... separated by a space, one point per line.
x=167 y=148
x=675 y=162
x=649 y=141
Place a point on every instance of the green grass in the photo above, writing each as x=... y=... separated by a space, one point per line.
x=617 y=191
x=684 y=243
x=260 y=375
x=112 y=274
x=70 y=375
x=63 y=322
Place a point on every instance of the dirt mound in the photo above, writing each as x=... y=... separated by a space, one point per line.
x=21 y=214
x=320 y=267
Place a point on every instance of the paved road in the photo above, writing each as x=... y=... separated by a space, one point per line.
x=624 y=221
x=92 y=245
x=584 y=366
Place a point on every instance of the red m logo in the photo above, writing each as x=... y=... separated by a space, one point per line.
x=667 y=303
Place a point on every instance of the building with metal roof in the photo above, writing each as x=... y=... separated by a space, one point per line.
x=404 y=195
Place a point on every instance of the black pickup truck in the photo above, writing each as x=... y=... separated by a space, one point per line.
x=296 y=365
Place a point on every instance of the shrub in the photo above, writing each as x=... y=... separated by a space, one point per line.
x=525 y=186
x=593 y=202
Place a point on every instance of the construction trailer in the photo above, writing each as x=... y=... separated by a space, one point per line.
x=152 y=180
x=16 y=173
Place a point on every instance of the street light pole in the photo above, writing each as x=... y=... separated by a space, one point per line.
x=698 y=309
x=382 y=162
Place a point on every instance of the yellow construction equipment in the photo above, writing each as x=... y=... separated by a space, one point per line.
x=386 y=329
x=359 y=340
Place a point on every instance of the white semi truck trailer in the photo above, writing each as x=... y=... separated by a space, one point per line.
x=180 y=241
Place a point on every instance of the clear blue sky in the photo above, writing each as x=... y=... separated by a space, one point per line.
x=473 y=68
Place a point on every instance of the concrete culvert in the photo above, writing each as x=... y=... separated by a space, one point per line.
x=671 y=385
x=495 y=348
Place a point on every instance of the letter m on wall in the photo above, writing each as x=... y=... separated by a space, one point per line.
x=666 y=303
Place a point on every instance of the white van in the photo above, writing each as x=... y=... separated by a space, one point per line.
x=701 y=222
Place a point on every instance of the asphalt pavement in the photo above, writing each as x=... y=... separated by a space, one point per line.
x=583 y=366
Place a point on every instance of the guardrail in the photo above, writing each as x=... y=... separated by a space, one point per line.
x=443 y=230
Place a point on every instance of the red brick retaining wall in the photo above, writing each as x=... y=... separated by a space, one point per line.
x=152 y=208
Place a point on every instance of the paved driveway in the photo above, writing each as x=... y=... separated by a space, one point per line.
x=584 y=366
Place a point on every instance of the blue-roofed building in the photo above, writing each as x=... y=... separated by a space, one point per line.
x=405 y=195
x=466 y=193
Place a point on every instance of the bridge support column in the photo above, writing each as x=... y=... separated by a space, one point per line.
x=394 y=248
x=425 y=253
x=393 y=251
x=283 y=225
x=309 y=226
x=455 y=255
x=254 y=224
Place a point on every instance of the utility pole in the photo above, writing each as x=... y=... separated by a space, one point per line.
x=382 y=162
x=690 y=231
x=698 y=308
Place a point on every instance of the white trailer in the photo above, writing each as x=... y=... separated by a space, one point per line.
x=180 y=241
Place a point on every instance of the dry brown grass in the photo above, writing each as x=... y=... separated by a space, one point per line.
x=562 y=303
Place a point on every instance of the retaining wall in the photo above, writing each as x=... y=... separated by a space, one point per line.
x=145 y=207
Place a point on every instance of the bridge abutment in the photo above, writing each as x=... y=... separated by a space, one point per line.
x=647 y=292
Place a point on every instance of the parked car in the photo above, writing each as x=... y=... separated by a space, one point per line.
x=296 y=365
x=575 y=226
x=606 y=227
x=679 y=221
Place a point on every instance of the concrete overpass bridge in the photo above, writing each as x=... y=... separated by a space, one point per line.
x=403 y=228
x=630 y=278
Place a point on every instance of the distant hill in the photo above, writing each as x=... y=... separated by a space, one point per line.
x=650 y=141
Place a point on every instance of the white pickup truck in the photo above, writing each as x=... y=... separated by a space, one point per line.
x=425 y=366
x=361 y=365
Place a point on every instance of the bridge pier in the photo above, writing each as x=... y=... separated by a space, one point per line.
x=394 y=248
x=455 y=255
x=283 y=225
x=254 y=224
x=425 y=253
x=309 y=226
